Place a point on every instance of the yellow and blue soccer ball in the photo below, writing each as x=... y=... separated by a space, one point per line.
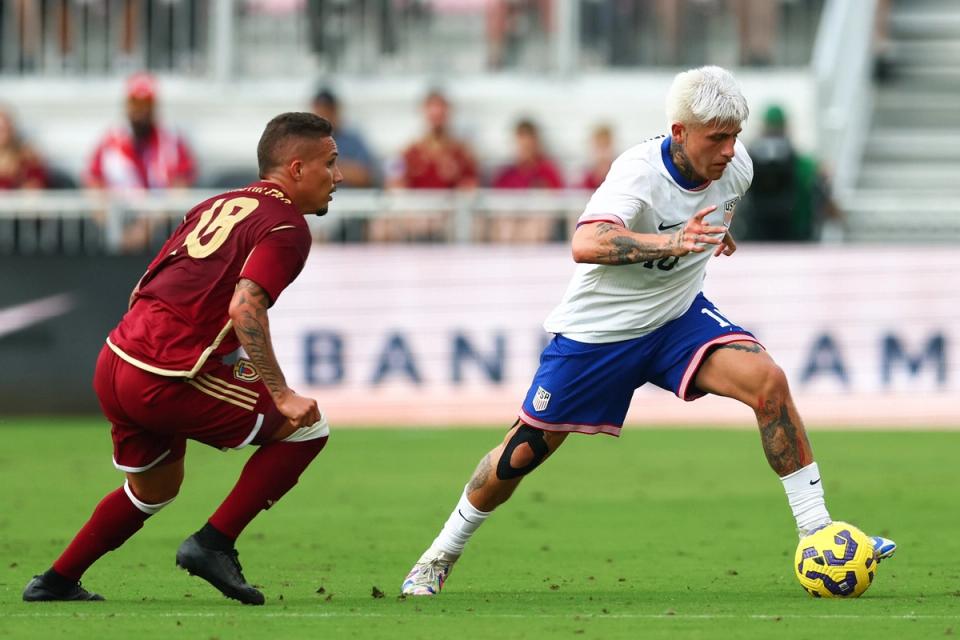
x=836 y=561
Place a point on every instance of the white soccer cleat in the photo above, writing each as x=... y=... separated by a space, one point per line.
x=426 y=578
x=883 y=547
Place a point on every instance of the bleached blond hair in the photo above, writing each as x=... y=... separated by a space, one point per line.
x=706 y=95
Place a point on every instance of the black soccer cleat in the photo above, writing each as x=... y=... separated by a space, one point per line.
x=41 y=590
x=219 y=568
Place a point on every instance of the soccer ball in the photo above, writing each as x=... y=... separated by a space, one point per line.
x=836 y=561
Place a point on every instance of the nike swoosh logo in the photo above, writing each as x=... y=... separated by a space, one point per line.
x=812 y=482
x=669 y=226
x=465 y=517
x=27 y=314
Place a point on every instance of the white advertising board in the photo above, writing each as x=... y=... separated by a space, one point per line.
x=450 y=335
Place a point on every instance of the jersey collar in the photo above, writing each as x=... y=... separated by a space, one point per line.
x=682 y=182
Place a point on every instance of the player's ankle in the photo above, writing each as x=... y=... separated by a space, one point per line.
x=212 y=538
x=57 y=582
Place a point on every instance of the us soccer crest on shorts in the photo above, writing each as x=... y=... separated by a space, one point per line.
x=542 y=399
x=245 y=371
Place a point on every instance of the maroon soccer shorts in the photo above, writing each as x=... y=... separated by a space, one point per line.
x=153 y=416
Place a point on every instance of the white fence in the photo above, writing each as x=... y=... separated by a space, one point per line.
x=97 y=222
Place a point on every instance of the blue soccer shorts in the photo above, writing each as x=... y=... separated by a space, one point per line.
x=587 y=388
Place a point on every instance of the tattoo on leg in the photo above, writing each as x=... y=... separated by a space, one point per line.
x=753 y=347
x=783 y=441
x=480 y=475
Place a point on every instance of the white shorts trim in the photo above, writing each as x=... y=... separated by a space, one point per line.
x=148 y=509
x=319 y=429
x=253 y=434
x=143 y=468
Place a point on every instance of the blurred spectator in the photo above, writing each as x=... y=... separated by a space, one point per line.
x=670 y=32
x=330 y=23
x=758 y=23
x=513 y=25
x=531 y=169
x=884 y=57
x=604 y=154
x=615 y=30
x=20 y=20
x=435 y=161
x=20 y=166
x=141 y=154
x=789 y=198
x=356 y=162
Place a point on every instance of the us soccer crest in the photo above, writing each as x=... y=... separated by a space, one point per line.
x=542 y=399
x=245 y=371
x=728 y=208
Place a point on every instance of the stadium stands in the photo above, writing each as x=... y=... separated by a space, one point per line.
x=226 y=67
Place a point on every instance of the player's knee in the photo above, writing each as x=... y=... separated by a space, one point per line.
x=522 y=453
x=153 y=500
x=772 y=385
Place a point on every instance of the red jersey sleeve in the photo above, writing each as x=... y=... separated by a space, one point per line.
x=277 y=260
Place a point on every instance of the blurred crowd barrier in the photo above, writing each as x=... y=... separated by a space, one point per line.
x=267 y=38
x=97 y=222
x=451 y=334
x=91 y=222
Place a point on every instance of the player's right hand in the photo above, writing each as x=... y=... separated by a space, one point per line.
x=299 y=410
x=696 y=234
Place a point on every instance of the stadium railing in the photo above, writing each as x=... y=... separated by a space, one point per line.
x=844 y=91
x=225 y=39
x=85 y=221
x=94 y=222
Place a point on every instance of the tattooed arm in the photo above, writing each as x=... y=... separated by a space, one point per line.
x=606 y=243
x=248 y=311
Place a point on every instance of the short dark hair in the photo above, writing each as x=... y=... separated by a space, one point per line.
x=327 y=97
x=528 y=127
x=435 y=93
x=280 y=131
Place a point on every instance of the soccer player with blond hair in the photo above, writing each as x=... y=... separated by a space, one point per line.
x=634 y=313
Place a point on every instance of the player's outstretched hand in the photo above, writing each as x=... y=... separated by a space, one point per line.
x=727 y=247
x=696 y=234
x=299 y=410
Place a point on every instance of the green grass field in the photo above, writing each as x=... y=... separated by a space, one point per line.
x=660 y=534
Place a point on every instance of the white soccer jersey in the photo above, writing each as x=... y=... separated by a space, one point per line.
x=645 y=193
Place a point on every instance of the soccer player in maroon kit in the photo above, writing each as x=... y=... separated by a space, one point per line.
x=161 y=377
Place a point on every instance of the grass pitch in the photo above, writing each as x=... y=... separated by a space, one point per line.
x=660 y=534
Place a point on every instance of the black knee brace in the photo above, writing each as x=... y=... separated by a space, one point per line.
x=524 y=435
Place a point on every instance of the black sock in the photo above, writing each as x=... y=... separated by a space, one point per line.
x=211 y=538
x=56 y=582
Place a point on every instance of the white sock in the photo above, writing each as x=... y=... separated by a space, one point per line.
x=458 y=528
x=805 y=495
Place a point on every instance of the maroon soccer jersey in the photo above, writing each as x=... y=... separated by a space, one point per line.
x=179 y=324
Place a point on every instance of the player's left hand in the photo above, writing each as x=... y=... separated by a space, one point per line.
x=727 y=247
